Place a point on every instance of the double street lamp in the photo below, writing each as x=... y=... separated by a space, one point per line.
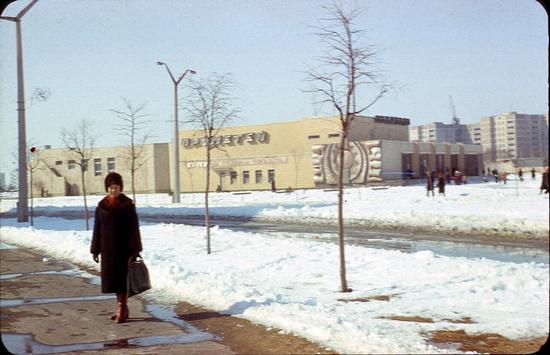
x=22 y=204
x=176 y=170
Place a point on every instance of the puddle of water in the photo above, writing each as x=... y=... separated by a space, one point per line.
x=34 y=301
x=25 y=344
x=92 y=279
x=168 y=314
x=7 y=246
x=454 y=249
x=505 y=254
x=9 y=276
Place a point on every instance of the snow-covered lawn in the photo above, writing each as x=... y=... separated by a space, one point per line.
x=292 y=284
x=515 y=208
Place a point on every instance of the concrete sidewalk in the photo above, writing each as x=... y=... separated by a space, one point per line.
x=52 y=307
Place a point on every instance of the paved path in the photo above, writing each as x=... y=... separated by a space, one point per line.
x=51 y=307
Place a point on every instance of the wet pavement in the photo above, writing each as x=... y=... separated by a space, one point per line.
x=49 y=306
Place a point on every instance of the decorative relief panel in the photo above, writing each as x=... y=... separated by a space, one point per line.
x=362 y=163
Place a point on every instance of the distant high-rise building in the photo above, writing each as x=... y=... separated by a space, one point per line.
x=513 y=136
x=510 y=136
x=2 y=181
x=439 y=132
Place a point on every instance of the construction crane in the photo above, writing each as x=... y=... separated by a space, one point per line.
x=456 y=120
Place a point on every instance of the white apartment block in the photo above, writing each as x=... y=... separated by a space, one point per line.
x=510 y=136
x=439 y=132
x=514 y=136
x=473 y=133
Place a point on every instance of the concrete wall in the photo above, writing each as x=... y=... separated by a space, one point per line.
x=285 y=147
x=56 y=176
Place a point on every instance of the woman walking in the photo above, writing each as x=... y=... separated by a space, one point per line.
x=430 y=183
x=441 y=183
x=544 y=182
x=117 y=239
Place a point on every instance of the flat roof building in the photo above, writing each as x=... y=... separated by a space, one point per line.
x=295 y=154
x=58 y=173
x=250 y=157
x=302 y=154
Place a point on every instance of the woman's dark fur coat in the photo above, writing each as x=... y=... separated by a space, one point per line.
x=116 y=238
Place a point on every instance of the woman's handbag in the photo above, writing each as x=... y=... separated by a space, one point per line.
x=138 y=278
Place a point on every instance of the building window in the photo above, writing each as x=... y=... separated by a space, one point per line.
x=259 y=178
x=84 y=164
x=58 y=162
x=271 y=175
x=315 y=136
x=97 y=166
x=71 y=164
x=334 y=135
x=246 y=177
x=110 y=164
x=233 y=177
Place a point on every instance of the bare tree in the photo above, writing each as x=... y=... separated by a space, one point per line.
x=132 y=124
x=346 y=66
x=80 y=142
x=211 y=107
x=14 y=183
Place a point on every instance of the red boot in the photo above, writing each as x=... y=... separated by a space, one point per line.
x=122 y=309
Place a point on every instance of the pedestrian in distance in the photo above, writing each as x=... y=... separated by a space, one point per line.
x=430 y=183
x=448 y=177
x=117 y=240
x=458 y=177
x=520 y=174
x=533 y=175
x=495 y=174
x=504 y=177
x=441 y=184
x=544 y=181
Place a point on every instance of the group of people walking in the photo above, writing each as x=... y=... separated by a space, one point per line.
x=441 y=182
x=459 y=177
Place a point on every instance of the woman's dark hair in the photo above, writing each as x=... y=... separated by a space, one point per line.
x=113 y=178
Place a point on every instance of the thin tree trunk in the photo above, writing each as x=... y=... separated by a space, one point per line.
x=32 y=201
x=206 y=216
x=133 y=186
x=84 y=195
x=133 y=169
x=344 y=285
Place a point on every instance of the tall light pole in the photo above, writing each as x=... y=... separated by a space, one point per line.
x=176 y=170
x=22 y=204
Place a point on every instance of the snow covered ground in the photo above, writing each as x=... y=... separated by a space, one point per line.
x=292 y=284
x=513 y=209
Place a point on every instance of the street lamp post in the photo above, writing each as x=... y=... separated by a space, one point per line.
x=22 y=204
x=176 y=170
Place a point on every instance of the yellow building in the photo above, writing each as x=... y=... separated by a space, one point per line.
x=296 y=154
x=56 y=172
x=249 y=157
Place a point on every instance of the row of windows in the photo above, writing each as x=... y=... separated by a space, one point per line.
x=316 y=136
x=258 y=175
x=71 y=164
x=98 y=165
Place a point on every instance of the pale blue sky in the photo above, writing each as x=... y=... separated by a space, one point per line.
x=490 y=55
